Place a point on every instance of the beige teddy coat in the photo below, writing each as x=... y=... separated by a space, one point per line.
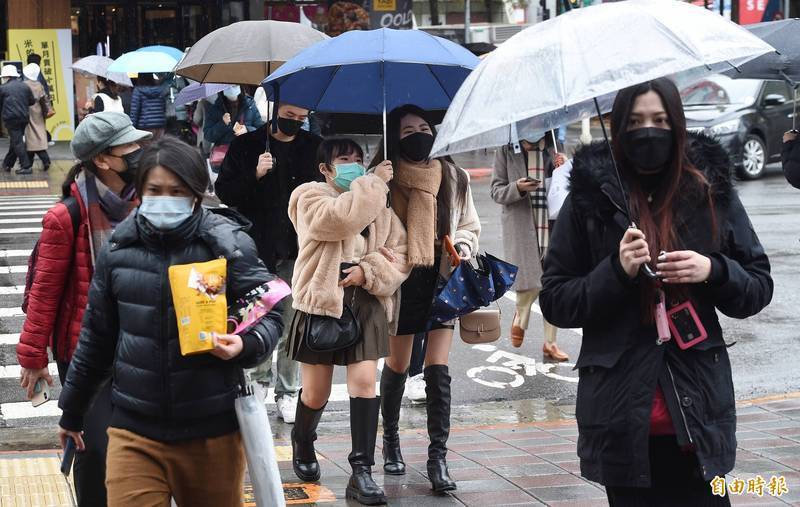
x=328 y=225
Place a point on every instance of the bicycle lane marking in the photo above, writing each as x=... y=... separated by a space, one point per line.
x=515 y=367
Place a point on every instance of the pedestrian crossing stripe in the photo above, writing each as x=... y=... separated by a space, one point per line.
x=22 y=230
x=7 y=270
x=23 y=184
x=12 y=290
x=19 y=197
x=15 y=253
x=7 y=313
x=9 y=339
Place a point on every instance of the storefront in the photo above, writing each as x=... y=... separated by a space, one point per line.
x=125 y=25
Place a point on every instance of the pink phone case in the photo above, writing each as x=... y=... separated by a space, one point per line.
x=680 y=340
x=662 y=324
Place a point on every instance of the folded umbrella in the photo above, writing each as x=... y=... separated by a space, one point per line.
x=568 y=67
x=138 y=62
x=98 y=66
x=246 y=52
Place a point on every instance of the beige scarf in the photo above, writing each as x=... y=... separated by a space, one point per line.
x=414 y=192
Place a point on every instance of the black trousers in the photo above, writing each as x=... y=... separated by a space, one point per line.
x=16 y=148
x=43 y=156
x=89 y=468
x=676 y=481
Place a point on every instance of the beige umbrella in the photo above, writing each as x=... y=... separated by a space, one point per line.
x=246 y=52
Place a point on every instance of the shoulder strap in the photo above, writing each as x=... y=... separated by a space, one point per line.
x=74 y=210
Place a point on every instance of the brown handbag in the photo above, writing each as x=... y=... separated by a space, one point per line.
x=480 y=326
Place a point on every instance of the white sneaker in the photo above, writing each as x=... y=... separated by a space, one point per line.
x=287 y=406
x=415 y=388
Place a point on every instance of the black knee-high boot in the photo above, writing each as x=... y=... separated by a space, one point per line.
x=392 y=386
x=304 y=433
x=437 y=390
x=363 y=432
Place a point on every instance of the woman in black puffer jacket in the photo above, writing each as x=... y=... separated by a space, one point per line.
x=656 y=422
x=173 y=429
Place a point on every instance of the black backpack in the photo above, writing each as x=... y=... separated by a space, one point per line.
x=74 y=210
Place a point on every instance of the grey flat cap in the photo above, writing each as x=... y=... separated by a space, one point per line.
x=100 y=131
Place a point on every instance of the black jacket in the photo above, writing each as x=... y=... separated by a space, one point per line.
x=130 y=333
x=265 y=202
x=620 y=363
x=15 y=100
x=790 y=158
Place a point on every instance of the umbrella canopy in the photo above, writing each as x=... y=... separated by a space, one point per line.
x=167 y=50
x=784 y=36
x=138 y=62
x=98 y=66
x=549 y=74
x=374 y=71
x=198 y=91
x=246 y=52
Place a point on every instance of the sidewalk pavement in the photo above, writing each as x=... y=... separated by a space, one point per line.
x=508 y=464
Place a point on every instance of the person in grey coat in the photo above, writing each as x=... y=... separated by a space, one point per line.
x=510 y=189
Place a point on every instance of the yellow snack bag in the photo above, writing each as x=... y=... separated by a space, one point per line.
x=198 y=293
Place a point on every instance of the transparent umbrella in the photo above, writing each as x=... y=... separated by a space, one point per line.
x=569 y=67
x=98 y=66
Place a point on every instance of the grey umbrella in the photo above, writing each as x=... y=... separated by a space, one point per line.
x=246 y=52
x=98 y=66
x=784 y=36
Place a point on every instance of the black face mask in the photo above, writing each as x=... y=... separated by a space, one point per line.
x=650 y=149
x=132 y=163
x=288 y=126
x=417 y=146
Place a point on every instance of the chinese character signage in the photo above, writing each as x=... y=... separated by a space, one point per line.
x=55 y=48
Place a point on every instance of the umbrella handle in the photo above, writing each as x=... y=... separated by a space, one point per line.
x=455 y=258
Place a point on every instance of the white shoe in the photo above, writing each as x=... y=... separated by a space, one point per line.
x=287 y=406
x=415 y=388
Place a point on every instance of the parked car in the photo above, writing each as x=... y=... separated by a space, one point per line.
x=749 y=117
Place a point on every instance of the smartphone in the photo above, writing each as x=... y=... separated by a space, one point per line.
x=342 y=267
x=533 y=180
x=41 y=393
x=69 y=456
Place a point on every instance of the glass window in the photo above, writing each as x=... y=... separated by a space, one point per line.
x=777 y=88
x=158 y=24
x=720 y=90
x=233 y=12
x=194 y=24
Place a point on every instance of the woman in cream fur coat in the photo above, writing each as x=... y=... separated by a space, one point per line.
x=352 y=251
x=433 y=200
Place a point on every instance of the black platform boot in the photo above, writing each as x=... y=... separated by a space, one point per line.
x=363 y=432
x=304 y=433
x=437 y=390
x=392 y=386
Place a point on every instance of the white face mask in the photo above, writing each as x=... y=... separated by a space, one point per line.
x=232 y=93
x=166 y=212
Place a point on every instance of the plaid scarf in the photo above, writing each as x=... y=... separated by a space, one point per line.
x=541 y=216
x=104 y=208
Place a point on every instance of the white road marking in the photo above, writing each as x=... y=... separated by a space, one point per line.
x=24 y=410
x=15 y=253
x=34 y=220
x=22 y=230
x=13 y=371
x=39 y=213
x=9 y=339
x=35 y=207
x=7 y=270
x=11 y=290
x=11 y=312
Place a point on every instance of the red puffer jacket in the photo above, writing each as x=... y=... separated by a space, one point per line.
x=60 y=288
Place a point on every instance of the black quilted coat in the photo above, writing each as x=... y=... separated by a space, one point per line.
x=130 y=332
x=620 y=363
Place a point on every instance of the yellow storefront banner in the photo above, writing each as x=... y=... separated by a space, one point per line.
x=55 y=48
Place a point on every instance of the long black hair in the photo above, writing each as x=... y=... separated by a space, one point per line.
x=452 y=191
x=182 y=159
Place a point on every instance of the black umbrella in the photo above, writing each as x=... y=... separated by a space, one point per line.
x=784 y=64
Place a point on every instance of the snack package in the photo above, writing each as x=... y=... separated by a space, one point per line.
x=257 y=303
x=198 y=293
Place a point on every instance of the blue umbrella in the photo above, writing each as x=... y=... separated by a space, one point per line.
x=372 y=72
x=167 y=50
x=197 y=91
x=138 y=62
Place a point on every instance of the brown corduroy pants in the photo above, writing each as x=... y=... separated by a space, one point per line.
x=199 y=473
